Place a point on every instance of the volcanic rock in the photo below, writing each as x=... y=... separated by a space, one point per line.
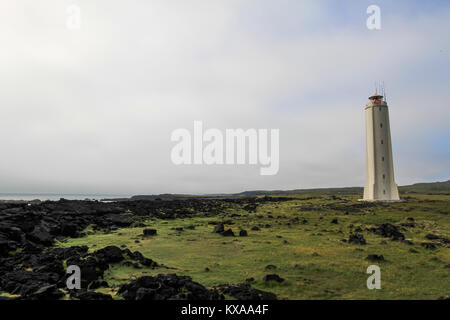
x=228 y=233
x=49 y=292
x=432 y=236
x=389 y=231
x=428 y=245
x=149 y=232
x=40 y=235
x=89 y=295
x=110 y=254
x=166 y=287
x=273 y=277
x=246 y=292
x=375 y=257
x=243 y=233
x=357 y=238
x=219 y=228
x=47 y=269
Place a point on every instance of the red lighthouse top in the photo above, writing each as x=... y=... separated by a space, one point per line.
x=376 y=98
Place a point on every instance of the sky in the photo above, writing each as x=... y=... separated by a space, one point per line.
x=92 y=110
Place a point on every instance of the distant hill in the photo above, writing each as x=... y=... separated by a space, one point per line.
x=425 y=188
x=428 y=188
x=342 y=190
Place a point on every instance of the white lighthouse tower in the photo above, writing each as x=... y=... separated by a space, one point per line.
x=380 y=184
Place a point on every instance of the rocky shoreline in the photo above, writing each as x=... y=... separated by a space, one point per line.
x=31 y=268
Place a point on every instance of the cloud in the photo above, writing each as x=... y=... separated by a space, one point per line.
x=92 y=110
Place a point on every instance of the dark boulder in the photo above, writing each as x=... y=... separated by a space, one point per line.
x=50 y=292
x=432 y=237
x=26 y=283
x=91 y=269
x=375 y=257
x=149 y=232
x=11 y=233
x=219 y=228
x=428 y=245
x=89 y=295
x=120 y=220
x=69 y=230
x=357 y=238
x=65 y=253
x=98 y=284
x=40 y=235
x=272 y=277
x=228 y=233
x=243 y=233
x=408 y=224
x=6 y=247
x=166 y=287
x=110 y=254
x=388 y=230
x=136 y=255
x=245 y=292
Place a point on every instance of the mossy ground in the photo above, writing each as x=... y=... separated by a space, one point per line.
x=311 y=257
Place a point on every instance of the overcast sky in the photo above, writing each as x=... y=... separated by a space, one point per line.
x=92 y=110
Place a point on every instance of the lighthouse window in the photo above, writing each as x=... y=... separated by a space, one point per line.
x=384 y=191
x=381 y=125
x=382 y=158
x=382 y=141
x=379 y=108
x=384 y=176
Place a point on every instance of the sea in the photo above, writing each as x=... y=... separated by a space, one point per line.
x=57 y=196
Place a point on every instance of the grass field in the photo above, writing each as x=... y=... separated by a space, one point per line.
x=304 y=245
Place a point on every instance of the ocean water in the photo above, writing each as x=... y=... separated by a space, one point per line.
x=56 y=197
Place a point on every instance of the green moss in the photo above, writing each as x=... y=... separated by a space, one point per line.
x=11 y=253
x=337 y=272
x=8 y=295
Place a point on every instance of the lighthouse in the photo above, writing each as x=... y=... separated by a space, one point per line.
x=380 y=184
